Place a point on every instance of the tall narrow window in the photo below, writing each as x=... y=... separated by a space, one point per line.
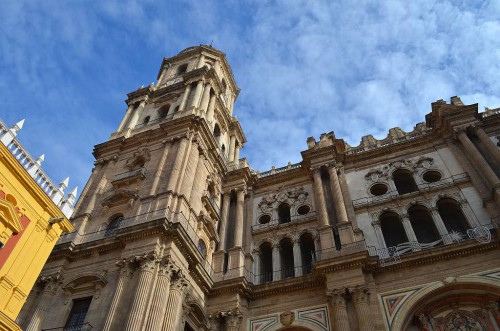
x=392 y=229
x=217 y=133
x=266 y=263
x=286 y=256
x=284 y=213
x=452 y=216
x=202 y=248
x=76 y=318
x=307 y=250
x=403 y=179
x=163 y=111
x=423 y=225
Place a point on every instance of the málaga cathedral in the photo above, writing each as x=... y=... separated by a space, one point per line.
x=174 y=231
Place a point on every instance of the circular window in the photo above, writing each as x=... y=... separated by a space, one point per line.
x=379 y=189
x=432 y=176
x=264 y=219
x=304 y=209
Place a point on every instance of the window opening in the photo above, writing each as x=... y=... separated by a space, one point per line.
x=76 y=318
x=182 y=69
x=266 y=263
x=392 y=229
x=264 y=219
x=403 y=179
x=146 y=120
x=379 y=189
x=432 y=176
x=114 y=224
x=308 y=252
x=163 y=111
x=284 y=213
x=286 y=256
x=303 y=210
x=452 y=216
x=423 y=225
x=202 y=248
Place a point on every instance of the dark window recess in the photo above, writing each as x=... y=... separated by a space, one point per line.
x=266 y=263
x=423 y=225
x=379 y=189
x=264 y=219
x=307 y=250
x=284 y=213
x=76 y=318
x=452 y=216
x=432 y=176
x=403 y=179
x=304 y=209
x=392 y=229
x=286 y=254
x=113 y=225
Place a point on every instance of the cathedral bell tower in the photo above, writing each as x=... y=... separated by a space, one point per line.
x=153 y=200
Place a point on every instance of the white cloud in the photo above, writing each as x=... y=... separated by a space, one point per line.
x=304 y=67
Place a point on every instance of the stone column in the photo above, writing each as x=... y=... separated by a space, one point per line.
x=276 y=262
x=237 y=153
x=185 y=97
x=206 y=97
x=173 y=312
x=379 y=234
x=23 y=317
x=238 y=229
x=211 y=108
x=159 y=170
x=51 y=284
x=256 y=266
x=197 y=93
x=147 y=266
x=319 y=197
x=361 y=299
x=159 y=303
x=125 y=274
x=478 y=159
x=188 y=178
x=438 y=222
x=137 y=113
x=232 y=145
x=490 y=145
x=339 y=309
x=124 y=121
x=297 y=257
x=214 y=320
x=177 y=166
x=338 y=199
x=225 y=215
x=408 y=228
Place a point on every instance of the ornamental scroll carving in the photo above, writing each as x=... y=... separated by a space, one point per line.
x=383 y=172
x=140 y=157
x=291 y=196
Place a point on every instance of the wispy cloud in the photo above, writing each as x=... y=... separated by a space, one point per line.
x=304 y=67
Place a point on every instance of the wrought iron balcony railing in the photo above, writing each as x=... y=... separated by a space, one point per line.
x=80 y=327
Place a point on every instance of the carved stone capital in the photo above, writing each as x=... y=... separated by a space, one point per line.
x=126 y=268
x=360 y=294
x=147 y=262
x=51 y=283
x=337 y=297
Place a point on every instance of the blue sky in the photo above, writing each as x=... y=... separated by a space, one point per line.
x=304 y=67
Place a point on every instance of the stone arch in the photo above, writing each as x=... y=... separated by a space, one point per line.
x=439 y=291
x=198 y=316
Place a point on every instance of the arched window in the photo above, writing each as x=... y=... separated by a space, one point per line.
x=217 y=133
x=182 y=69
x=423 y=225
x=146 y=120
x=452 y=216
x=403 y=179
x=284 y=213
x=286 y=257
x=308 y=252
x=163 y=111
x=202 y=248
x=114 y=224
x=392 y=229
x=223 y=149
x=266 y=263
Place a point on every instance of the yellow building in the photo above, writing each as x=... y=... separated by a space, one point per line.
x=33 y=215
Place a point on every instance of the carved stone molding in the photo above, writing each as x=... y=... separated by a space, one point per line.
x=291 y=196
x=139 y=158
x=382 y=173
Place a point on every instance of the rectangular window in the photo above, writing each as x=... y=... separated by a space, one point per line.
x=76 y=318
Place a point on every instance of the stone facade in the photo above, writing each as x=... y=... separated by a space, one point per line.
x=175 y=232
